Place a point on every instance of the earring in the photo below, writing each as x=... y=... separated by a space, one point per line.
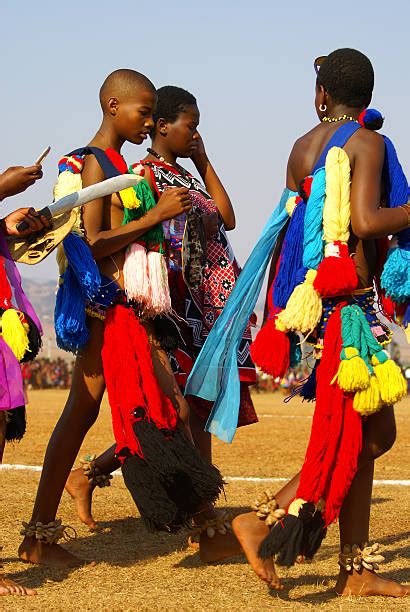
x=324 y=109
x=163 y=132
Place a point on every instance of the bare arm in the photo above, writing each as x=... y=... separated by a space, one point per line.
x=367 y=218
x=104 y=242
x=214 y=186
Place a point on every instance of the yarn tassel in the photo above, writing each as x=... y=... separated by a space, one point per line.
x=368 y=401
x=308 y=391
x=136 y=276
x=285 y=539
x=14 y=333
x=69 y=314
x=395 y=278
x=353 y=374
x=393 y=386
x=167 y=478
x=83 y=265
x=16 y=424
x=304 y=307
x=5 y=289
x=160 y=299
x=270 y=350
x=336 y=274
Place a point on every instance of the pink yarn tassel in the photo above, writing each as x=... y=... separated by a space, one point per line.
x=158 y=277
x=136 y=276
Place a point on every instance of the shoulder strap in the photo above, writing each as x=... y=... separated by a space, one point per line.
x=106 y=164
x=339 y=139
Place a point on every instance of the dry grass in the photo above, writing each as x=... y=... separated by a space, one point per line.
x=140 y=571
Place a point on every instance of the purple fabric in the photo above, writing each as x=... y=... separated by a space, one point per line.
x=11 y=379
x=13 y=275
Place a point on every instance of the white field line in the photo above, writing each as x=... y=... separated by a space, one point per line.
x=37 y=468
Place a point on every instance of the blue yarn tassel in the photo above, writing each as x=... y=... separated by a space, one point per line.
x=313 y=230
x=291 y=258
x=395 y=279
x=83 y=265
x=69 y=314
x=308 y=391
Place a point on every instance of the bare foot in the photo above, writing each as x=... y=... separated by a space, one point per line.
x=219 y=547
x=79 y=488
x=52 y=555
x=250 y=531
x=9 y=587
x=366 y=584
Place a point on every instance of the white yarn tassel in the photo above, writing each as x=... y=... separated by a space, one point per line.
x=158 y=277
x=136 y=276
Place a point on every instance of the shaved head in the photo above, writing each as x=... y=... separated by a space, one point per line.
x=123 y=84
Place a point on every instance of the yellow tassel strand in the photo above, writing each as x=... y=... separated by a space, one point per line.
x=336 y=209
x=368 y=401
x=304 y=307
x=393 y=386
x=353 y=374
x=67 y=182
x=14 y=333
x=129 y=198
x=290 y=205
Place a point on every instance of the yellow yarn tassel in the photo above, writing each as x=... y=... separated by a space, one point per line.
x=129 y=198
x=14 y=333
x=353 y=374
x=336 y=209
x=368 y=401
x=290 y=205
x=393 y=386
x=304 y=307
x=407 y=332
x=67 y=182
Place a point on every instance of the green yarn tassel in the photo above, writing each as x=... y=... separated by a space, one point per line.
x=154 y=236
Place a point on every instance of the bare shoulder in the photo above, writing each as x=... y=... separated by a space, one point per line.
x=366 y=145
x=92 y=171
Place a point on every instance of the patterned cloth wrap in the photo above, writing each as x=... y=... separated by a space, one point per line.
x=201 y=307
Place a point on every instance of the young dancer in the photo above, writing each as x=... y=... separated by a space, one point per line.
x=127 y=100
x=14 y=180
x=345 y=188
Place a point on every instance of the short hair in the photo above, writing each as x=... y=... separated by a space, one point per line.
x=171 y=101
x=348 y=76
x=123 y=83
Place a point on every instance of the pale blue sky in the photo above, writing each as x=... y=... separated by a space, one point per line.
x=248 y=63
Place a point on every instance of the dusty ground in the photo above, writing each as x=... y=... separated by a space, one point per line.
x=140 y=571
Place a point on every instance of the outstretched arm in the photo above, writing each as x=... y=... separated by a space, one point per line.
x=214 y=186
x=367 y=218
x=104 y=242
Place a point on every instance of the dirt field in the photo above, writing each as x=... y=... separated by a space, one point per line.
x=140 y=571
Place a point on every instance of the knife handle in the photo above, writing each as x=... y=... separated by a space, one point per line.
x=23 y=225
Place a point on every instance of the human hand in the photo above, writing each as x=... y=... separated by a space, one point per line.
x=199 y=156
x=35 y=221
x=17 y=178
x=210 y=223
x=173 y=202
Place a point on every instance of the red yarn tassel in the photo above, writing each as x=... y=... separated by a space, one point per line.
x=270 y=350
x=336 y=274
x=5 y=289
x=130 y=379
x=335 y=440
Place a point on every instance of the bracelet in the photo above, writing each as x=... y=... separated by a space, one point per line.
x=406 y=208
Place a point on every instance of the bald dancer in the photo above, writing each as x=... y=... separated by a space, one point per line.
x=127 y=100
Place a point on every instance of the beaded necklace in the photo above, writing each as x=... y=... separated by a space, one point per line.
x=337 y=119
x=160 y=158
